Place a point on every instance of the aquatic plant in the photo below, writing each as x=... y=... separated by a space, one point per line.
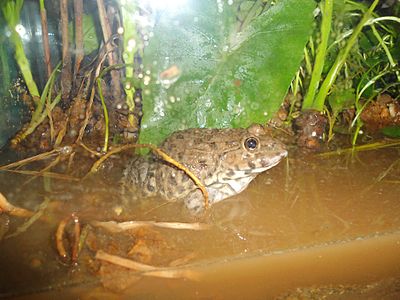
x=350 y=60
x=43 y=108
x=11 y=11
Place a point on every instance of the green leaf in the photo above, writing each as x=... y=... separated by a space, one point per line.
x=215 y=66
x=90 y=39
x=341 y=99
x=391 y=131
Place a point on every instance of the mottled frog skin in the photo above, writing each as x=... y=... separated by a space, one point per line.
x=225 y=160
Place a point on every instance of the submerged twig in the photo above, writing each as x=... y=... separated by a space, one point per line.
x=366 y=147
x=147 y=270
x=113 y=226
x=25 y=161
x=77 y=238
x=45 y=174
x=76 y=244
x=164 y=156
x=45 y=169
x=36 y=216
x=60 y=237
x=12 y=210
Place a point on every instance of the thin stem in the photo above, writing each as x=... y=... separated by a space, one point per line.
x=340 y=60
x=45 y=38
x=106 y=28
x=320 y=57
x=66 y=76
x=78 y=10
x=105 y=111
x=386 y=49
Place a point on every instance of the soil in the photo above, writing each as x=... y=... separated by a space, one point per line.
x=310 y=127
x=383 y=112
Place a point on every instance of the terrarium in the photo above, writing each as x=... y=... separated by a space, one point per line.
x=199 y=149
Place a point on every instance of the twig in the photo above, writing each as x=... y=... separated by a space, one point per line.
x=95 y=153
x=106 y=28
x=36 y=216
x=164 y=156
x=66 y=77
x=45 y=174
x=113 y=226
x=45 y=38
x=105 y=111
x=30 y=159
x=163 y=272
x=59 y=238
x=79 y=54
x=77 y=237
x=45 y=169
x=366 y=147
x=12 y=210
x=89 y=106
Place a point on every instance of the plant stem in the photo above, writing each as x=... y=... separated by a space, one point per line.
x=320 y=57
x=39 y=115
x=106 y=28
x=11 y=12
x=78 y=10
x=385 y=48
x=24 y=66
x=5 y=68
x=66 y=76
x=103 y=104
x=319 y=101
x=45 y=38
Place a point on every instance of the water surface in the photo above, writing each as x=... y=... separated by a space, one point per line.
x=316 y=226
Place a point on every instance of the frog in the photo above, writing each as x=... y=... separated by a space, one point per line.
x=225 y=161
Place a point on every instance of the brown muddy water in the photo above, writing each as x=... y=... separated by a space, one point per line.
x=313 y=227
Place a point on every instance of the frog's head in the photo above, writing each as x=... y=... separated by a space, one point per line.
x=257 y=152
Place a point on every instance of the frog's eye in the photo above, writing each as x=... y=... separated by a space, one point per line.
x=251 y=143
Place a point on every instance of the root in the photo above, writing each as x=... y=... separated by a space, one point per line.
x=12 y=210
x=148 y=270
x=36 y=216
x=118 y=227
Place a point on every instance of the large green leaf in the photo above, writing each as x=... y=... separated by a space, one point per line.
x=214 y=65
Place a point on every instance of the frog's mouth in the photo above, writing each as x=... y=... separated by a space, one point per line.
x=262 y=164
x=253 y=168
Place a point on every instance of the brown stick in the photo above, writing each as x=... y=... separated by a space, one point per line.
x=66 y=76
x=105 y=26
x=7 y=207
x=60 y=237
x=46 y=174
x=45 y=38
x=30 y=159
x=163 y=272
x=77 y=237
x=88 y=112
x=78 y=10
x=36 y=216
x=113 y=226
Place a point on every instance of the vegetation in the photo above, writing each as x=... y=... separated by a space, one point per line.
x=11 y=12
x=365 y=64
x=211 y=63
